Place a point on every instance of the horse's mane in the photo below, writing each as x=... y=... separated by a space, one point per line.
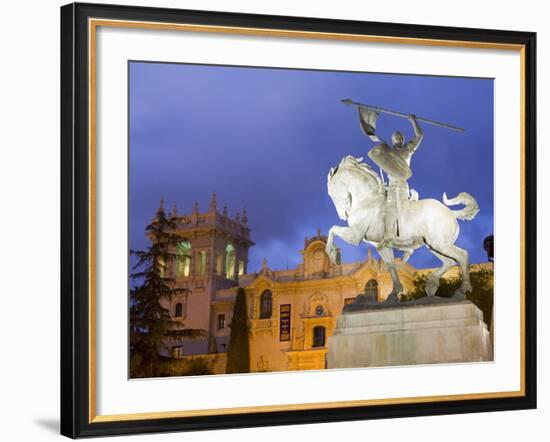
x=355 y=164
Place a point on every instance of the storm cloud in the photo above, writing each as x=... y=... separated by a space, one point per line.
x=265 y=139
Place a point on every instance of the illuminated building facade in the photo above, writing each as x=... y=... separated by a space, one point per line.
x=291 y=312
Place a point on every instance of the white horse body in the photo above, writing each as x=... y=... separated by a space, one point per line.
x=359 y=197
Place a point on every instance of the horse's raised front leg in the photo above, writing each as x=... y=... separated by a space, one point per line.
x=351 y=235
x=387 y=255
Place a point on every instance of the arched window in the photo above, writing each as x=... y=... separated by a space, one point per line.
x=241 y=268
x=371 y=288
x=230 y=261
x=318 y=336
x=183 y=258
x=266 y=305
x=178 y=311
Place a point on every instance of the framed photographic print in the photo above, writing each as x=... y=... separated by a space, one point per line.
x=274 y=220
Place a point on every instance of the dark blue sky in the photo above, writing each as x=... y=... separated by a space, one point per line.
x=266 y=138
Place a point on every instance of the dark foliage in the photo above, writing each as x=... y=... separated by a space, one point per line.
x=238 y=355
x=197 y=367
x=481 y=295
x=151 y=327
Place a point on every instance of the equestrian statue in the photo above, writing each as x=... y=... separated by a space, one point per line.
x=390 y=215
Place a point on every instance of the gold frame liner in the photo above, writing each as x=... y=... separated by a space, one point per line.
x=93 y=24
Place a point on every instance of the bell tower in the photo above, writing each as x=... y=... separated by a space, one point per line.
x=213 y=255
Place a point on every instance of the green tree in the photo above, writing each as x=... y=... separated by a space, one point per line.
x=238 y=354
x=197 y=367
x=152 y=328
x=481 y=294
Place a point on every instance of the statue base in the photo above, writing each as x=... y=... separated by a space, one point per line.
x=409 y=335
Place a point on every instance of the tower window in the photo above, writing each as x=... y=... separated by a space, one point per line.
x=162 y=267
x=318 y=336
x=241 y=268
x=221 y=321
x=266 y=304
x=183 y=259
x=178 y=311
x=201 y=262
x=177 y=351
x=230 y=257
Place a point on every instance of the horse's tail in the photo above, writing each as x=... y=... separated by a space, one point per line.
x=470 y=209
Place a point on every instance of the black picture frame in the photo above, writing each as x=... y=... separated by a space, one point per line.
x=75 y=221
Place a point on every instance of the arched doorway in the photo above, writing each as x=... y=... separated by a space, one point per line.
x=319 y=334
x=371 y=289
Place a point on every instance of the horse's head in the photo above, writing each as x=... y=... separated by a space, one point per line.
x=350 y=183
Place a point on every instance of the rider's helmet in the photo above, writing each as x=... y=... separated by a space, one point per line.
x=397 y=138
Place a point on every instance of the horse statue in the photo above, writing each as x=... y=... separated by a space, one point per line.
x=358 y=194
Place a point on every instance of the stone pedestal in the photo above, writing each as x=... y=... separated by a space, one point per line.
x=398 y=335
